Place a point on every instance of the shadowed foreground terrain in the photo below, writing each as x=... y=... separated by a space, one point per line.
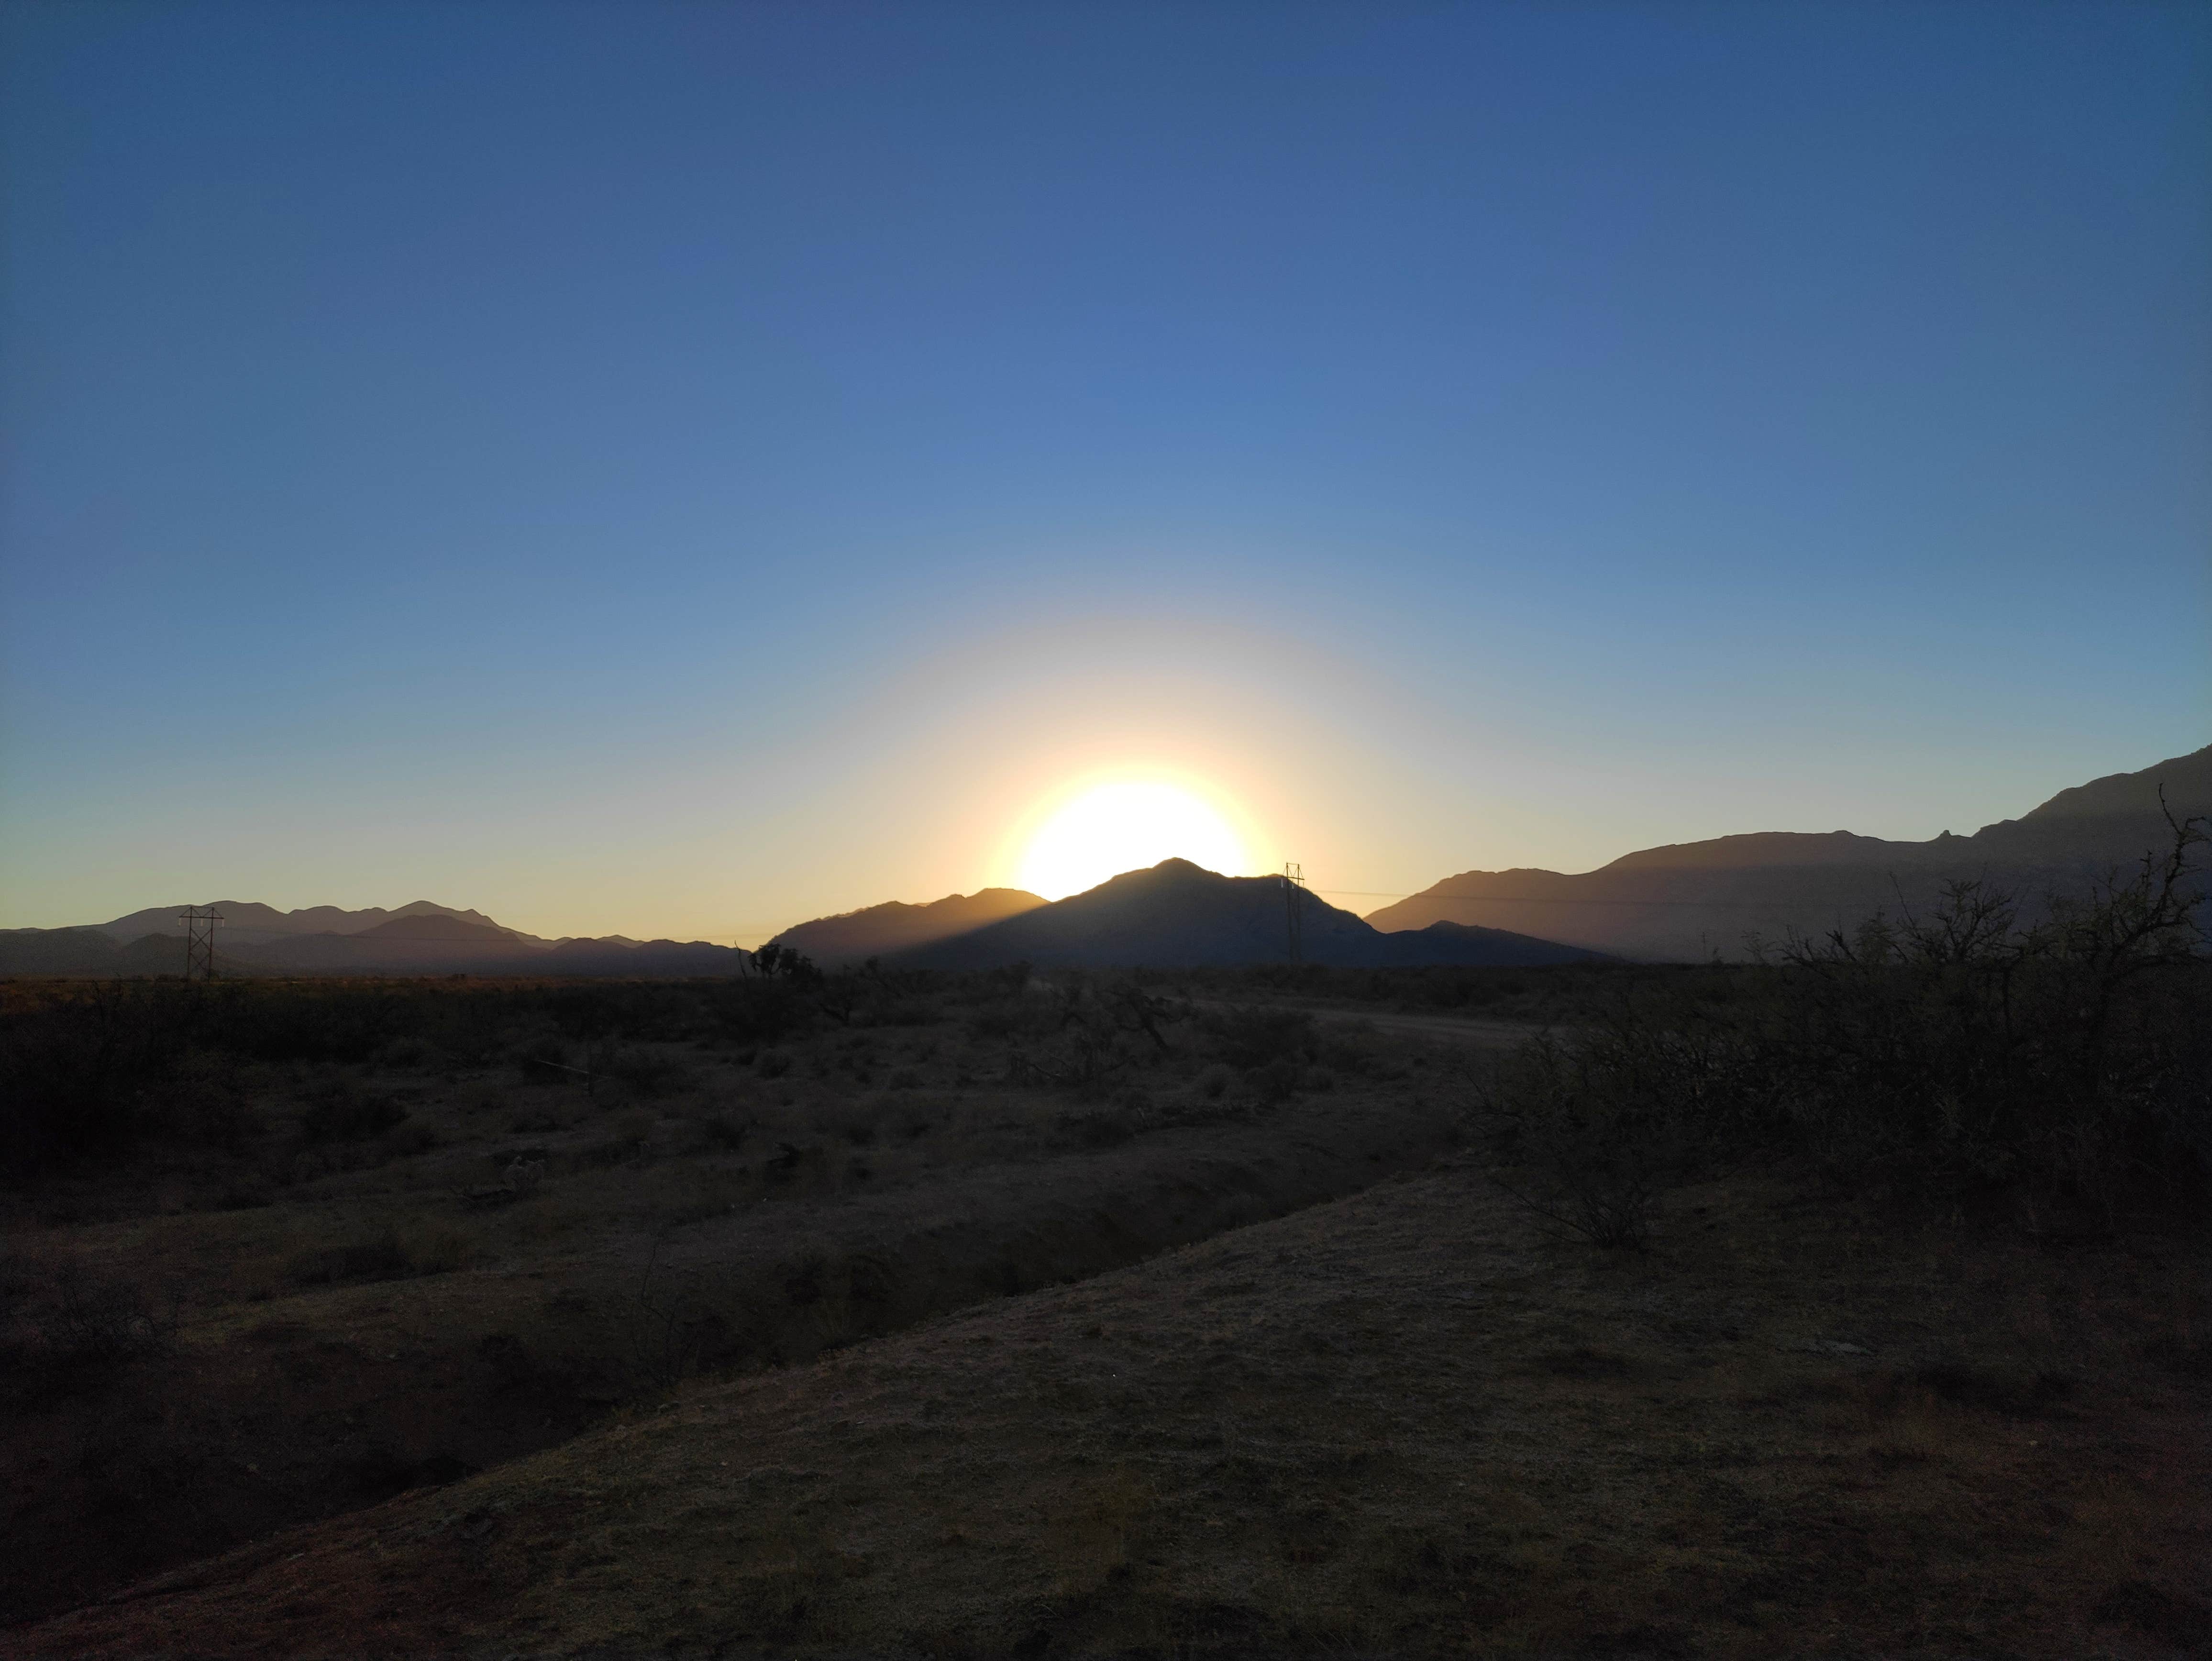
x=1855 y=1303
x=276 y=1253
x=1408 y=1422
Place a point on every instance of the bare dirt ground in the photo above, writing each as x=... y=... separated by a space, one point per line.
x=1407 y=1422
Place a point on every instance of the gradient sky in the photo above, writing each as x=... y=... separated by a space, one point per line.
x=684 y=469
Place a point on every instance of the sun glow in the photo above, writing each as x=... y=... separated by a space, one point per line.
x=1125 y=826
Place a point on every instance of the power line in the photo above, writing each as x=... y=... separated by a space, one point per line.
x=199 y=941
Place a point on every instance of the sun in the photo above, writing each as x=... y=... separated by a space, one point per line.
x=1125 y=826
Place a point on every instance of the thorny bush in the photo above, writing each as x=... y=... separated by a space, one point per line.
x=2065 y=1059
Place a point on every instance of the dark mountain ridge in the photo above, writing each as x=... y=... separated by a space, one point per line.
x=249 y=922
x=879 y=931
x=1692 y=900
x=420 y=939
x=1178 y=916
x=1685 y=901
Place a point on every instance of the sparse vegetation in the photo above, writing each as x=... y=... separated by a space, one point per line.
x=448 y=1224
x=71 y=1333
x=1405 y=1424
x=2061 y=1066
x=626 y=1185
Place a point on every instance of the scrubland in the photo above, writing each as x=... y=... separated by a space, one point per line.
x=315 y=1245
x=1412 y=1421
x=1857 y=1302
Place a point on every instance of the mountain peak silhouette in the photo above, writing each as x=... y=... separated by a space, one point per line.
x=1178 y=915
x=880 y=931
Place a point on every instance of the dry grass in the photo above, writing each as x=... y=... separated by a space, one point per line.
x=1408 y=1422
x=363 y=1301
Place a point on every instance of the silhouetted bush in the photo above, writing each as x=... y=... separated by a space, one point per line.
x=380 y=1257
x=1256 y=1036
x=87 y=1068
x=647 y=1073
x=2067 y=1060
x=344 y=1112
x=80 y=1333
x=383 y=1256
x=1111 y=1123
x=725 y=1130
x=2073 y=1055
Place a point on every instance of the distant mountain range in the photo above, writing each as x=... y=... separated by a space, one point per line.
x=1690 y=900
x=1683 y=902
x=418 y=938
x=1178 y=916
x=248 y=922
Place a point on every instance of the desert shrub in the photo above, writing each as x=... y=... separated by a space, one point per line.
x=794 y=1162
x=443 y=1250
x=1275 y=1082
x=1349 y=1047
x=872 y=996
x=342 y=1111
x=625 y=1140
x=900 y=1008
x=995 y=1020
x=383 y=1255
x=1594 y=1138
x=668 y=1328
x=73 y=1072
x=1128 y=1114
x=543 y=1061
x=2072 y=1054
x=854 y=1118
x=912 y=1116
x=1213 y=1082
x=203 y=1103
x=1016 y=1014
x=378 y=1257
x=85 y=1067
x=410 y=1136
x=409 y=1050
x=87 y=1329
x=1254 y=1036
x=871 y=1278
x=1084 y=1058
x=649 y=1073
x=772 y=1063
x=2069 y=1057
x=725 y=1130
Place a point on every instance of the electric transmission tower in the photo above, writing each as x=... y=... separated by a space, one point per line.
x=1294 y=907
x=199 y=941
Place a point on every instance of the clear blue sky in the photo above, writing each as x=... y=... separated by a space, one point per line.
x=681 y=469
